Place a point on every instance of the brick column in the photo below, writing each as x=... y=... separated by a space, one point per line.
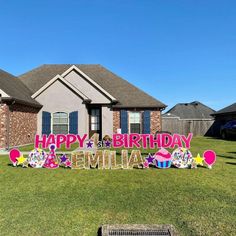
x=155 y=122
x=116 y=121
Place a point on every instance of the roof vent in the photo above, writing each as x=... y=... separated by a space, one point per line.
x=195 y=103
x=138 y=230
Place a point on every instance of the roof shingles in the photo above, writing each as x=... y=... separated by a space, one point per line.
x=226 y=110
x=193 y=110
x=127 y=94
x=17 y=91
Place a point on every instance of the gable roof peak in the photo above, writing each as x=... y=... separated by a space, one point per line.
x=126 y=93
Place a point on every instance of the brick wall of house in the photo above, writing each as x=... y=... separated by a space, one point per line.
x=3 y=125
x=155 y=121
x=23 y=124
x=116 y=121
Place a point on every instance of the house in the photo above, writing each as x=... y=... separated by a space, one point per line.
x=75 y=99
x=184 y=118
x=226 y=114
x=18 y=112
x=223 y=116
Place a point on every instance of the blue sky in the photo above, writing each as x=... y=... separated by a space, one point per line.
x=177 y=51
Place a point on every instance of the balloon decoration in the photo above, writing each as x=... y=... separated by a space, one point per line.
x=209 y=158
x=13 y=155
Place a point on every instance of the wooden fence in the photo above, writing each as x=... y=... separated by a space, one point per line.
x=197 y=127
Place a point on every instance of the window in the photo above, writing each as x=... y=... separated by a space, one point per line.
x=60 y=123
x=135 y=122
x=95 y=119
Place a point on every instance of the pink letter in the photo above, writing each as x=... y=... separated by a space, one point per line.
x=81 y=140
x=71 y=138
x=134 y=140
x=166 y=140
x=176 y=141
x=187 y=140
x=145 y=140
x=117 y=140
x=37 y=141
x=51 y=139
x=61 y=138
x=154 y=141
x=126 y=140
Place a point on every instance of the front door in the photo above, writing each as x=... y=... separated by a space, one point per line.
x=95 y=121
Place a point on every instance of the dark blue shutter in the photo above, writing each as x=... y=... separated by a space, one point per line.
x=46 y=123
x=146 y=122
x=124 y=121
x=73 y=119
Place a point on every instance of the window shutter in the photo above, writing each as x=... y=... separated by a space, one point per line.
x=146 y=122
x=124 y=121
x=46 y=123
x=73 y=119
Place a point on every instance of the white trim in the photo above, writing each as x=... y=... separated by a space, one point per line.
x=90 y=80
x=58 y=77
x=3 y=94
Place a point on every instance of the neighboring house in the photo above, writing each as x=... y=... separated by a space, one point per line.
x=226 y=114
x=185 y=118
x=223 y=116
x=18 y=112
x=86 y=99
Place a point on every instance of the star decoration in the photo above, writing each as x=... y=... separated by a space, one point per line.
x=68 y=163
x=198 y=160
x=89 y=144
x=25 y=164
x=107 y=143
x=21 y=160
x=150 y=159
x=63 y=158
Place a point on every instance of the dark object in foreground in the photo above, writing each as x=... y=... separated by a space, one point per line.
x=228 y=130
x=135 y=230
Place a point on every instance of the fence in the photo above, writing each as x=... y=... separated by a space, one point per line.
x=195 y=126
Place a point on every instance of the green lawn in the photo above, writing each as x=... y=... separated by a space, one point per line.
x=78 y=202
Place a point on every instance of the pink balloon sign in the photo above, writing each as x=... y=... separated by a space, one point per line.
x=209 y=157
x=14 y=153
